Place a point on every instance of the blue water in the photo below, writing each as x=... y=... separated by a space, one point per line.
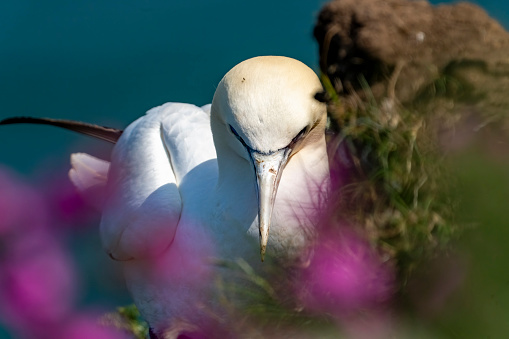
x=107 y=62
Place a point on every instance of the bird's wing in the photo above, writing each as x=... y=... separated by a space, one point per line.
x=89 y=175
x=104 y=133
x=144 y=203
x=187 y=136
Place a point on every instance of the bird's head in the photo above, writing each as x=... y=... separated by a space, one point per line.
x=265 y=111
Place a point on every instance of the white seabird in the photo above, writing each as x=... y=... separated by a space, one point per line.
x=188 y=184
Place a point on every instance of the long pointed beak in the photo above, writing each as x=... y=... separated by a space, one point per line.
x=268 y=169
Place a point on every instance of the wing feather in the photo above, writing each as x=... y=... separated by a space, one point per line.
x=143 y=205
x=155 y=152
x=101 y=132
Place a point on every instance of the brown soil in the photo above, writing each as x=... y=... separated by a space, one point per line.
x=375 y=38
x=450 y=58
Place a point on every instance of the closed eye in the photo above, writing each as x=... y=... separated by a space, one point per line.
x=299 y=136
x=237 y=136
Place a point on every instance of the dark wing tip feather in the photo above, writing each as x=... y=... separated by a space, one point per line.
x=104 y=133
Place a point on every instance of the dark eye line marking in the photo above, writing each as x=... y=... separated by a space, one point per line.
x=234 y=131
x=299 y=136
x=316 y=123
x=301 y=133
x=238 y=137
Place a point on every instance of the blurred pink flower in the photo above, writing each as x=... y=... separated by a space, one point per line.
x=341 y=164
x=21 y=208
x=36 y=287
x=38 y=284
x=345 y=276
x=68 y=208
x=36 y=278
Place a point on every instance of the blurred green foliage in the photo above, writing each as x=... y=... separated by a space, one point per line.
x=129 y=319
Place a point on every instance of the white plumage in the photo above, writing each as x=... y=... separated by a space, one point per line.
x=189 y=184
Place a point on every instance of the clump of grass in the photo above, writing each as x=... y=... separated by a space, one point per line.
x=397 y=188
x=260 y=305
x=128 y=318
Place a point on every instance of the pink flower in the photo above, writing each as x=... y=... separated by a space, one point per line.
x=36 y=277
x=37 y=282
x=21 y=208
x=36 y=287
x=345 y=276
x=341 y=165
x=68 y=208
x=347 y=279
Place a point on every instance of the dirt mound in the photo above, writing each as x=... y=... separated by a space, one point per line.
x=407 y=50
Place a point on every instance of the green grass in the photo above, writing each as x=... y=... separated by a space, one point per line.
x=399 y=191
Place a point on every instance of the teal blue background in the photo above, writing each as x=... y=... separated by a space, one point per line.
x=107 y=62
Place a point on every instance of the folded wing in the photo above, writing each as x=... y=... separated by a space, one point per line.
x=144 y=203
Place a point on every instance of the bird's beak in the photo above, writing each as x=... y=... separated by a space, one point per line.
x=268 y=169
